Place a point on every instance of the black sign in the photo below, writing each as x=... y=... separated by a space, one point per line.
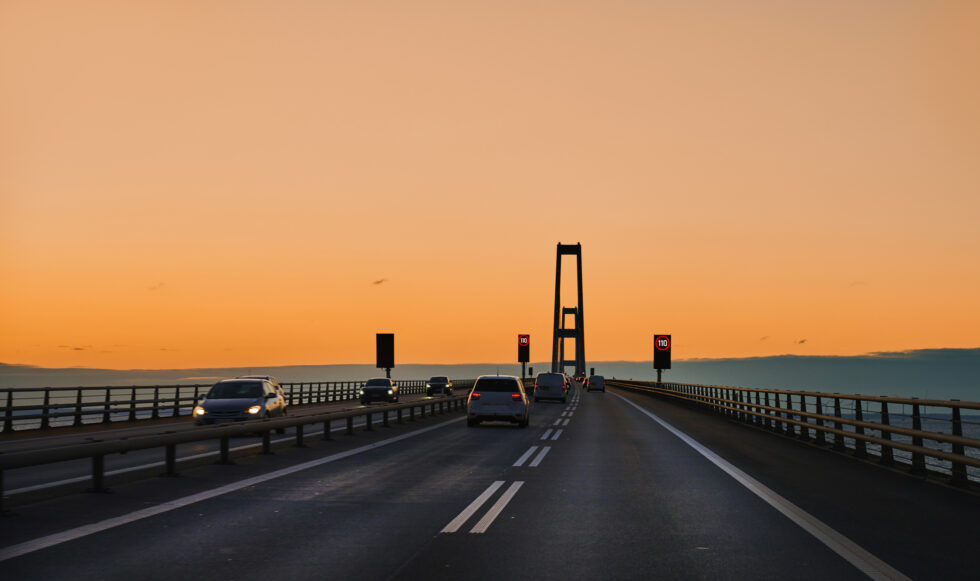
x=386 y=350
x=661 y=351
x=523 y=348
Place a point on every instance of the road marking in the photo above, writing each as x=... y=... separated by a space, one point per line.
x=562 y=414
x=557 y=433
x=498 y=507
x=474 y=506
x=546 y=434
x=558 y=421
x=570 y=414
x=537 y=460
x=565 y=423
x=867 y=563
x=520 y=461
x=89 y=529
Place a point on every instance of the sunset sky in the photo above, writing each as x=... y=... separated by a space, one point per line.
x=191 y=183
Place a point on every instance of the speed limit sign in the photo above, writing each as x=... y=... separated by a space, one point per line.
x=661 y=351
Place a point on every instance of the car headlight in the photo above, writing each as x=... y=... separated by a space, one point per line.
x=199 y=411
x=362 y=392
x=428 y=385
x=254 y=409
x=391 y=392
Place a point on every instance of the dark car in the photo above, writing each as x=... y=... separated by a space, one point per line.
x=379 y=389
x=596 y=383
x=239 y=399
x=439 y=385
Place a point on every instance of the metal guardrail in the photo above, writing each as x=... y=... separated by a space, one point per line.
x=98 y=449
x=847 y=422
x=45 y=407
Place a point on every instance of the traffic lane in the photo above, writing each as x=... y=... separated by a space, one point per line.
x=364 y=515
x=921 y=527
x=76 y=474
x=632 y=502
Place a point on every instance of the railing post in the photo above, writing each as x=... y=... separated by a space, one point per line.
x=225 y=457
x=176 y=411
x=98 y=474
x=400 y=416
x=326 y=430
x=8 y=416
x=367 y=423
x=959 y=477
x=156 y=402
x=267 y=442
x=768 y=412
x=819 y=423
x=170 y=460
x=132 y=404
x=107 y=411
x=804 y=430
x=301 y=394
x=290 y=395
x=758 y=402
x=838 y=439
x=197 y=396
x=887 y=456
x=385 y=416
x=299 y=437
x=350 y=425
x=790 y=428
x=45 y=421
x=779 y=415
x=918 y=458
x=860 y=447
x=78 y=408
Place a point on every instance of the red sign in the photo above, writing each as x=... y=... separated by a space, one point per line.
x=524 y=340
x=662 y=342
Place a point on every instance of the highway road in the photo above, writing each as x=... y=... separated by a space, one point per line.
x=609 y=486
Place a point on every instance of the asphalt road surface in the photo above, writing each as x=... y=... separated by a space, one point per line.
x=609 y=486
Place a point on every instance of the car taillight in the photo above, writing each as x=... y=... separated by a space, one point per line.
x=535 y=386
x=473 y=395
x=515 y=396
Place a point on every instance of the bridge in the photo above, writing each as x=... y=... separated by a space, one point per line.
x=645 y=480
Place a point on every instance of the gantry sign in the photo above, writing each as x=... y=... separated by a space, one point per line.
x=558 y=362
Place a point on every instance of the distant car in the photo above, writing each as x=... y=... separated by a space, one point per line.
x=275 y=382
x=596 y=383
x=379 y=389
x=549 y=385
x=498 y=398
x=440 y=385
x=239 y=399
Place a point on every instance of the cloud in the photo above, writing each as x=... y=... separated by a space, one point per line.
x=155 y=287
x=75 y=347
x=801 y=341
x=380 y=281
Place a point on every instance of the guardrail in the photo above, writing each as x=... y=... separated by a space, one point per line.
x=910 y=431
x=162 y=438
x=45 y=407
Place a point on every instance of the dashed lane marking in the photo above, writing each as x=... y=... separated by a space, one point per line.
x=537 y=459
x=520 y=461
x=484 y=523
x=474 y=506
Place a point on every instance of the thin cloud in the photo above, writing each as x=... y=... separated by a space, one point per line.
x=380 y=281
x=156 y=287
x=75 y=347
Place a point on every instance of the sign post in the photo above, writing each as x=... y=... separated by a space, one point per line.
x=385 y=344
x=523 y=352
x=661 y=353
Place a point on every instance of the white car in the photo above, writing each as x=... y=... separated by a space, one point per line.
x=549 y=385
x=498 y=398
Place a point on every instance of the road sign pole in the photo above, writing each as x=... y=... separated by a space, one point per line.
x=523 y=370
x=658 y=375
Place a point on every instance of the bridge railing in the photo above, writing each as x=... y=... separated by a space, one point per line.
x=924 y=434
x=168 y=439
x=47 y=407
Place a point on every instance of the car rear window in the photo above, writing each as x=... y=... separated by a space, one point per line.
x=236 y=389
x=550 y=379
x=496 y=384
x=377 y=383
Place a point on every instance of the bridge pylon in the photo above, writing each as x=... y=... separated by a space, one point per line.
x=561 y=332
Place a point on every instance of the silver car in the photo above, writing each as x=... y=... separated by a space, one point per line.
x=549 y=385
x=239 y=399
x=596 y=383
x=498 y=398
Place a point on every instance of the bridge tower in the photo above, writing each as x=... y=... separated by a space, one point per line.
x=560 y=331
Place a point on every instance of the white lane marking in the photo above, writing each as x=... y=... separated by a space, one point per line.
x=546 y=434
x=474 y=506
x=76 y=479
x=89 y=529
x=557 y=433
x=520 y=461
x=867 y=563
x=558 y=421
x=537 y=459
x=565 y=423
x=570 y=414
x=498 y=507
x=561 y=415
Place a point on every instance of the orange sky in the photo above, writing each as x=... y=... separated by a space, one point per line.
x=218 y=183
